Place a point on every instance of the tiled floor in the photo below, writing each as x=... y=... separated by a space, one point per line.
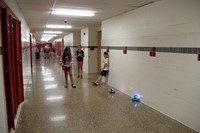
x=49 y=107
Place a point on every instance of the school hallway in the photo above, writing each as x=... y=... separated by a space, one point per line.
x=151 y=49
x=49 y=107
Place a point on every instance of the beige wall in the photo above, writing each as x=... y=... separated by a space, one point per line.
x=169 y=82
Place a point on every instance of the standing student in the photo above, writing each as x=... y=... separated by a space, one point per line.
x=67 y=66
x=53 y=52
x=104 y=70
x=46 y=52
x=79 y=57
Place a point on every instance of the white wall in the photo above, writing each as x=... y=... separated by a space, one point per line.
x=84 y=42
x=89 y=39
x=168 y=82
x=68 y=40
x=72 y=39
x=77 y=38
x=25 y=29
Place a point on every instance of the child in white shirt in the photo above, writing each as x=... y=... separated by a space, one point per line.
x=104 y=70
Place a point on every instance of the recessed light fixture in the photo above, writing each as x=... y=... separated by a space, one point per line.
x=73 y=12
x=53 y=32
x=59 y=26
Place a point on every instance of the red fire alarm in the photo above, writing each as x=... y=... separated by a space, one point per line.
x=91 y=48
x=152 y=52
x=198 y=57
x=125 y=50
x=108 y=49
x=33 y=31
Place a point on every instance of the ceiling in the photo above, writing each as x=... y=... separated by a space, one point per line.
x=38 y=12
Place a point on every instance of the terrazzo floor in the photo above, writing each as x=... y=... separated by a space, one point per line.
x=49 y=107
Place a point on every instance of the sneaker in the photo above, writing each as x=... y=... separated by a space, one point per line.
x=95 y=84
x=73 y=86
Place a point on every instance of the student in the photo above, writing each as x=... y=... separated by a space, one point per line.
x=67 y=66
x=53 y=52
x=46 y=52
x=104 y=70
x=79 y=57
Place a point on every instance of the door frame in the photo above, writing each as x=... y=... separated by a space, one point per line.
x=99 y=51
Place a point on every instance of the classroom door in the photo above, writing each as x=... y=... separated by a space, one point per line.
x=12 y=64
x=18 y=60
x=59 y=49
x=99 y=52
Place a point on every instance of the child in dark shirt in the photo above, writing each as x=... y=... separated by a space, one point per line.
x=79 y=57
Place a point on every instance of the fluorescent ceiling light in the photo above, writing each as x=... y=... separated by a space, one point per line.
x=44 y=40
x=53 y=32
x=48 y=35
x=59 y=26
x=73 y=12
